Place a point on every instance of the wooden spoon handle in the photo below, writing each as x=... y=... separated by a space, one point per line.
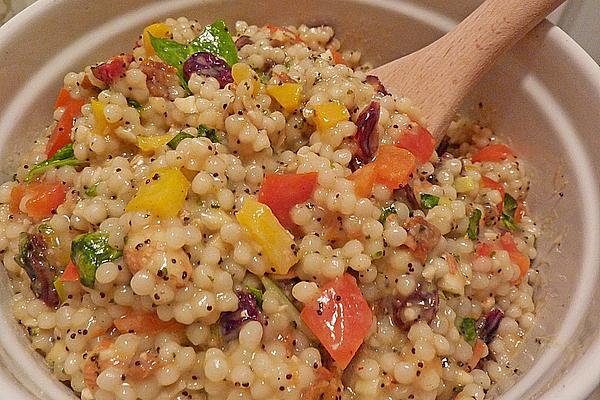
x=439 y=76
x=490 y=30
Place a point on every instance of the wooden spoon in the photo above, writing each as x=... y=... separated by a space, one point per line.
x=439 y=76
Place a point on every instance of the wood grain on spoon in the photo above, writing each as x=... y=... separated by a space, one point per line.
x=438 y=77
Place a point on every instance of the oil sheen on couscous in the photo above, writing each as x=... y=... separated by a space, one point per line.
x=248 y=214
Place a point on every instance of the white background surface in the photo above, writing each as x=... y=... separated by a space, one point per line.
x=579 y=18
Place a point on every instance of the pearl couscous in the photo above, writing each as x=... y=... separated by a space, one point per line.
x=249 y=214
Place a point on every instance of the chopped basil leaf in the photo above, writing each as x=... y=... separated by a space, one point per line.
x=509 y=223
x=473 y=229
x=510 y=205
x=88 y=252
x=257 y=293
x=429 y=201
x=171 y=52
x=135 y=104
x=205 y=131
x=202 y=131
x=508 y=213
x=173 y=143
x=215 y=39
x=91 y=191
x=386 y=212
x=468 y=330
x=63 y=156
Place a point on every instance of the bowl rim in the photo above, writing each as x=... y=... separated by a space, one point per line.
x=576 y=380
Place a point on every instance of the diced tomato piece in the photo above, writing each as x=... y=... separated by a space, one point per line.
x=478 y=352
x=145 y=323
x=452 y=264
x=508 y=244
x=70 y=274
x=394 y=166
x=340 y=318
x=113 y=69
x=493 y=152
x=16 y=195
x=363 y=179
x=282 y=192
x=42 y=198
x=143 y=366
x=484 y=250
x=337 y=57
x=91 y=369
x=61 y=135
x=46 y=197
x=63 y=98
x=520 y=211
x=492 y=184
x=418 y=141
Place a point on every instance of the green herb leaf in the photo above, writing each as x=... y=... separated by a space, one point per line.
x=88 y=252
x=510 y=205
x=63 y=156
x=173 y=143
x=91 y=191
x=508 y=213
x=171 y=52
x=257 y=293
x=509 y=223
x=428 y=201
x=386 y=212
x=473 y=229
x=216 y=40
x=205 y=131
x=467 y=328
x=135 y=104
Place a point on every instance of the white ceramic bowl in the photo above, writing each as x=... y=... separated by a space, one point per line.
x=545 y=95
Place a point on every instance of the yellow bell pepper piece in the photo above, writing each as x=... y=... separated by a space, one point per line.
x=329 y=114
x=162 y=194
x=102 y=126
x=276 y=242
x=152 y=143
x=288 y=95
x=464 y=184
x=241 y=71
x=60 y=289
x=158 y=30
